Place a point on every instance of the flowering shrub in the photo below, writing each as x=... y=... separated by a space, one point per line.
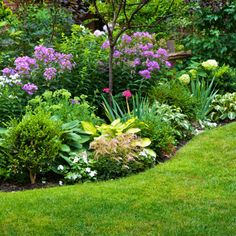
x=38 y=72
x=138 y=54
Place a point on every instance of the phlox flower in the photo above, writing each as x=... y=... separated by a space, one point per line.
x=116 y=54
x=126 y=39
x=30 y=88
x=50 y=73
x=152 y=65
x=105 y=45
x=145 y=73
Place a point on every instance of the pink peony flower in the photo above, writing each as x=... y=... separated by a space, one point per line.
x=127 y=93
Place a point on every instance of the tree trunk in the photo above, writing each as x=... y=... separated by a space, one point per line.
x=32 y=176
x=111 y=72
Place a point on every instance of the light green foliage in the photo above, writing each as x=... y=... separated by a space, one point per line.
x=118 y=151
x=160 y=133
x=32 y=144
x=223 y=107
x=62 y=106
x=204 y=93
x=12 y=102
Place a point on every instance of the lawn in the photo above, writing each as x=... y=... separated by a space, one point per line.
x=192 y=194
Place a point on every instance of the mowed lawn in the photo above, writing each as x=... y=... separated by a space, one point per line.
x=192 y=194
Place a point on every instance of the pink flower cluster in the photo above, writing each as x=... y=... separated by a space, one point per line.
x=45 y=59
x=139 y=51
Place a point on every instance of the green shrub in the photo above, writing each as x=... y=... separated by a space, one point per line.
x=161 y=134
x=32 y=144
x=174 y=93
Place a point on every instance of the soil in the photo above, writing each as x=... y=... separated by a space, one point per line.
x=10 y=187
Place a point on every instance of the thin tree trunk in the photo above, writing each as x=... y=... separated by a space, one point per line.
x=32 y=176
x=111 y=72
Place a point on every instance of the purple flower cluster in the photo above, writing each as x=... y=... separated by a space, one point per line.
x=45 y=59
x=8 y=71
x=139 y=51
x=24 y=65
x=50 y=73
x=30 y=88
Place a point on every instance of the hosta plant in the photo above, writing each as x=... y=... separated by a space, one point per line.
x=223 y=107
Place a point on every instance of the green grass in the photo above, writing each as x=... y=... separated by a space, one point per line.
x=192 y=194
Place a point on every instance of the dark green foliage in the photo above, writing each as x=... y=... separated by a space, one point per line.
x=30 y=25
x=12 y=102
x=174 y=93
x=32 y=144
x=214 y=33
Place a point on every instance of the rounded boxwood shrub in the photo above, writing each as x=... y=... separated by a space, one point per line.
x=32 y=144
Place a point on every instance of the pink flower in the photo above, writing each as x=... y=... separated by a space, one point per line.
x=127 y=93
x=106 y=90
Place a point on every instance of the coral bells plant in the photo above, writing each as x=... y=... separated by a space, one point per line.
x=40 y=71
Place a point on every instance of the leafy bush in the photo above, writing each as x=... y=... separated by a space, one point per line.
x=160 y=133
x=211 y=38
x=32 y=144
x=121 y=155
x=174 y=93
x=62 y=106
x=175 y=118
x=12 y=102
x=223 y=107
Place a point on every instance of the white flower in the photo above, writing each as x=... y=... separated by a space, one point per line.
x=14 y=77
x=60 y=167
x=60 y=183
x=88 y=169
x=76 y=159
x=210 y=64
x=92 y=173
x=98 y=33
x=84 y=157
x=185 y=79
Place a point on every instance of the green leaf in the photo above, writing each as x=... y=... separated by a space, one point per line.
x=89 y=128
x=231 y=115
x=65 y=148
x=133 y=130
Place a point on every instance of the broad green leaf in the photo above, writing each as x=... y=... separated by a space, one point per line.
x=89 y=128
x=65 y=148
